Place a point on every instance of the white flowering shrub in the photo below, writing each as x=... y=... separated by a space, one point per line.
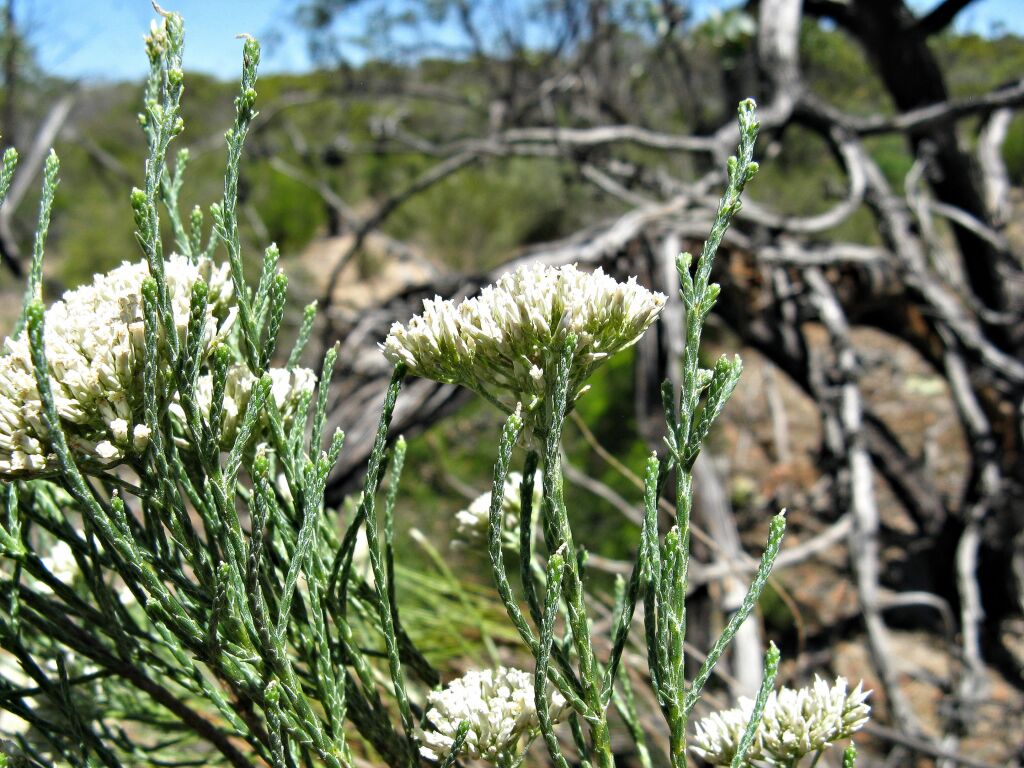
x=174 y=591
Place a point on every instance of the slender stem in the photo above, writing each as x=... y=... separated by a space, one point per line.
x=577 y=612
x=558 y=537
x=509 y=437
x=771 y=671
x=377 y=564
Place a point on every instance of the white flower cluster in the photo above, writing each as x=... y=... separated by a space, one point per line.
x=94 y=345
x=285 y=388
x=794 y=723
x=505 y=342
x=499 y=706
x=718 y=735
x=473 y=521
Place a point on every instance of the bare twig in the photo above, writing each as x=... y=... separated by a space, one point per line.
x=990 y=159
x=844 y=420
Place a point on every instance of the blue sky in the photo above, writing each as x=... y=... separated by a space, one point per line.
x=102 y=39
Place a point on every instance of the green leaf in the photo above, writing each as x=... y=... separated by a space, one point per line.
x=771 y=670
x=305 y=330
x=34 y=290
x=771 y=551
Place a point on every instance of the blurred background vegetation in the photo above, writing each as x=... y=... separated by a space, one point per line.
x=334 y=116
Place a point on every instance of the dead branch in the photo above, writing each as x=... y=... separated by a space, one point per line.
x=844 y=419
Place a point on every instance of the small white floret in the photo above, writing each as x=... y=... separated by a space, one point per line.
x=140 y=437
x=119 y=429
x=107 y=450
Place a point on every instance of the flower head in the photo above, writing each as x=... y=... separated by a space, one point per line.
x=473 y=521
x=505 y=343
x=798 y=722
x=95 y=345
x=794 y=723
x=718 y=735
x=499 y=706
x=287 y=387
